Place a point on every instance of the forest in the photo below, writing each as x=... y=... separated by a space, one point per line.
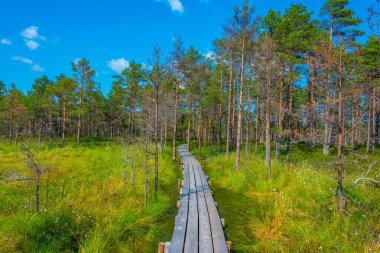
x=283 y=114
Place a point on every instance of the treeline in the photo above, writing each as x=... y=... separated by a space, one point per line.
x=280 y=79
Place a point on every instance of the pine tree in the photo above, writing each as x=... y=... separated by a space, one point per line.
x=339 y=20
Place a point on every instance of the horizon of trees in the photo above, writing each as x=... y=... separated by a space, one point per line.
x=277 y=80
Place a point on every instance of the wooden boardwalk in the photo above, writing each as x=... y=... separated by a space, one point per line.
x=198 y=226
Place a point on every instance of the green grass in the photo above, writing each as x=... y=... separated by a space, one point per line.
x=84 y=205
x=86 y=208
x=296 y=210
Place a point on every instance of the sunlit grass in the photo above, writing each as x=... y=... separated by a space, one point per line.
x=85 y=206
x=296 y=210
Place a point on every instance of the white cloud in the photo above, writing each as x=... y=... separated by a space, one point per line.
x=5 y=42
x=32 y=33
x=31 y=44
x=118 y=65
x=175 y=5
x=22 y=59
x=38 y=68
x=210 y=55
x=76 y=60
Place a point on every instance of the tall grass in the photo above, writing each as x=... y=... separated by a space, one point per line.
x=296 y=210
x=85 y=205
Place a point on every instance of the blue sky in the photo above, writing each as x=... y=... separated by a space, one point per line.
x=42 y=37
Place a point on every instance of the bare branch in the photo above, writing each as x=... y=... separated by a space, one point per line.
x=366 y=178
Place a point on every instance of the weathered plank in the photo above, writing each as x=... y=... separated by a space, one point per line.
x=191 y=240
x=178 y=238
x=198 y=226
x=205 y=239
x=218 y=239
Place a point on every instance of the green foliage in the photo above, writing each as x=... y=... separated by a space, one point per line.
x=371 y=57
x=338 y=19
x=83 y=74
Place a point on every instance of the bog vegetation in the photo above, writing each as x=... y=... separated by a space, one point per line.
x=284 y=114
x=91 y=199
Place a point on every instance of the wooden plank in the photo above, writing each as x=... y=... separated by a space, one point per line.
x=161 y=247
x=191 y=240
x=178 y=238
x=198 y=226
x=205 y=238
x=167 y=247
x=218 y=239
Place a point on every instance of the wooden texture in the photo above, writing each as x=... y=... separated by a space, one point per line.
x=191 y=242
x=198 y=227
x=205 y=238
x=178 y=239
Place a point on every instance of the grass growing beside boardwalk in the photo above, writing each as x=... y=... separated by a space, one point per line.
x=84 y=205
x=296 y=211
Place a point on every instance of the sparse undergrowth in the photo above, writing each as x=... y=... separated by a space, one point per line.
x=84 y=205
x=296 y=211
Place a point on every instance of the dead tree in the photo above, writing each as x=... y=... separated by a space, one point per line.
x=36 y=171
x=242 y=18
x=266 y=55
x=154 y=78
x=176 y=63
x=128 y=161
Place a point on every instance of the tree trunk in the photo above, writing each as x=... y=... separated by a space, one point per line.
x=156 y=137
x=229 y=108
x=257 y=123
x=220 y=111
x=200 y=133
x=327 y=134
x=373 y=138
x=369 y=123
x=340 y=146
x=188 y=122
x=175 y=119
x=63 y=122
x=267 y=119
x=311 y=121
x=233 y=113
x=16 y=134
x=326 y=142
x=280 y=113
x=291 y=125
x=166 y=127
x=37 y=192
x=50 y=124
x=248 y=124
x=146 y=183
x=240 y=109
x=79 y=118
x=40 y=132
